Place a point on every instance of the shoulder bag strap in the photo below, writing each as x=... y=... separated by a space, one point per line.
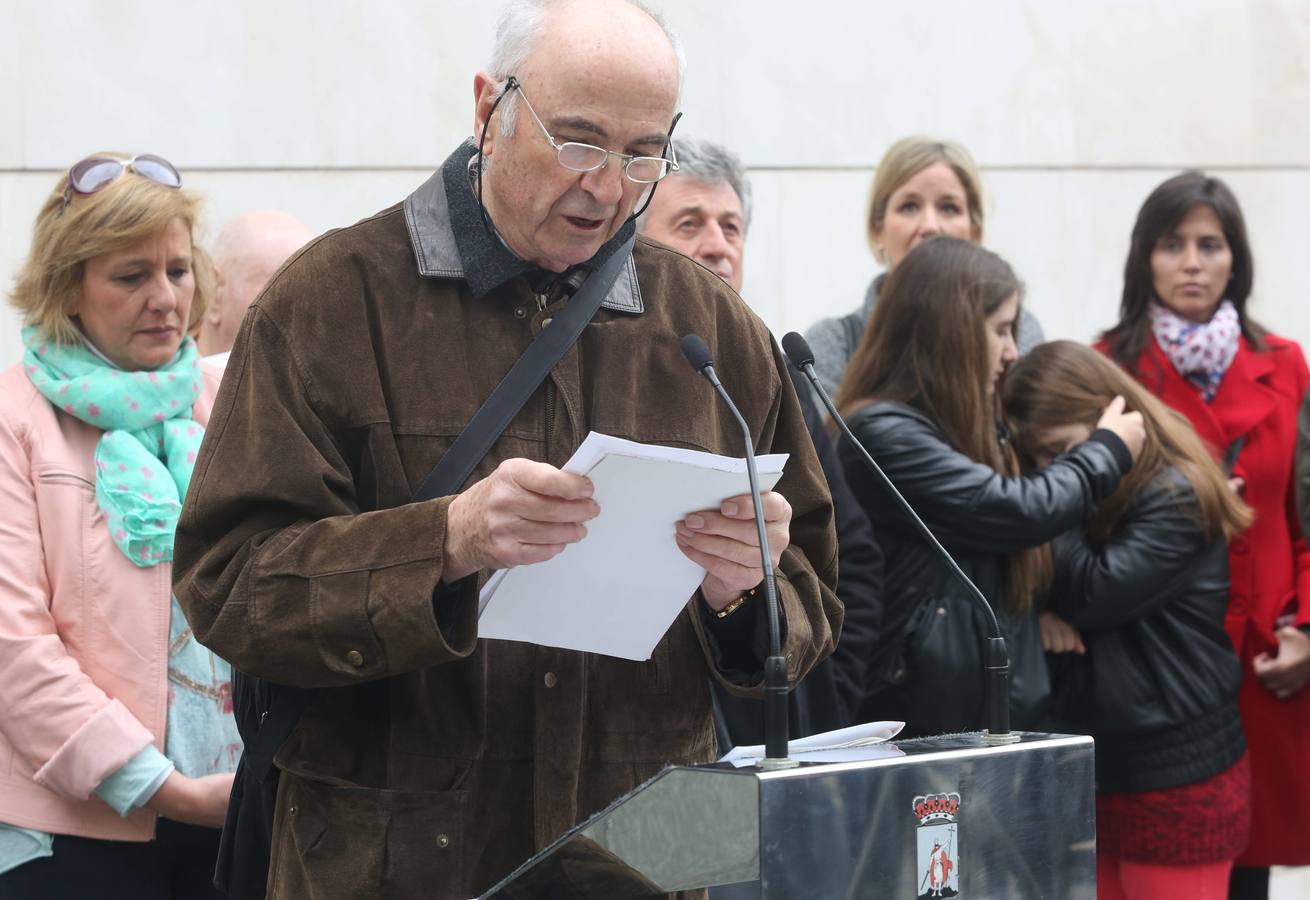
x=522 y=380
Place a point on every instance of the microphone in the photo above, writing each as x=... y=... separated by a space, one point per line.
x=775 y=667
x=996 y=659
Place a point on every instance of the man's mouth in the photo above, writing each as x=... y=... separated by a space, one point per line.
x=585 y=224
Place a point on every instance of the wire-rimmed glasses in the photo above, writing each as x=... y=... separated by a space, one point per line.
x=580 y=157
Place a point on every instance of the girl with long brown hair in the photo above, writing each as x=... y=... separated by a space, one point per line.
x=920 y=395
x=1137 y=604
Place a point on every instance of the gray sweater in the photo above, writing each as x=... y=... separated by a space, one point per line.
x=833 y=340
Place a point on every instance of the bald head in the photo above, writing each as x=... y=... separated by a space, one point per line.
x=604 y=37
x=590 y=26
x=598 y=72
x=247 y=252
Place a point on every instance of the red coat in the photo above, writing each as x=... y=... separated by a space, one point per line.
x=1269 y=563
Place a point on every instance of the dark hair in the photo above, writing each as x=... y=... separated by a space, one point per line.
x=1064 y=383
x=1162 y=212
x=926 y=346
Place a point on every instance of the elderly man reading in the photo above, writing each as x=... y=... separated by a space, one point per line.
x=429 y=762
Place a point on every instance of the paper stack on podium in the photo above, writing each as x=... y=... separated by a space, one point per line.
x=619 y=589
x=853 y=744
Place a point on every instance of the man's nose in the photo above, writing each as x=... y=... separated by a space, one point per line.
x=606 y=183
x=713 y=244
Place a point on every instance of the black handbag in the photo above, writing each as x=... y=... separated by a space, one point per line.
x=936 y=679
x=266 y=713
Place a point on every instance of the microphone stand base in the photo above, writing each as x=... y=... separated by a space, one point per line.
x=998 y=740
x=773 y=764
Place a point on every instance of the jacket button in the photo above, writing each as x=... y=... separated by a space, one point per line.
x=520 y=312
x=551 y=679
x=443 y=841
x=355 y=658
x=293 y=810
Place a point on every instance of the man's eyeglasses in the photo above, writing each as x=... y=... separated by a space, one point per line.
x=95 y=173
x=581 y=157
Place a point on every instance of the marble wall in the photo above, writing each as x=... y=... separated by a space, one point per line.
x=335 y=109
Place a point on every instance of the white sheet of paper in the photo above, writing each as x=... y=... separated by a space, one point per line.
x=619 y=589
x=853 y=744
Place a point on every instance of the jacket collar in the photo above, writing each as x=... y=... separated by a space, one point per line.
x=1244 y=398
x=449 y=240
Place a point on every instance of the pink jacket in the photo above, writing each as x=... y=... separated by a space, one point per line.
x=83 y=632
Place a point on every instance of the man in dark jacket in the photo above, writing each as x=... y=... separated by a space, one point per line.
x=704 y=210
x=429 y=762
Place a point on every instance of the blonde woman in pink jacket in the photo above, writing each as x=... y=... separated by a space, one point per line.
x=116 y=738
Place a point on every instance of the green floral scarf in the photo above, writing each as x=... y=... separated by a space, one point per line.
x=144 y=460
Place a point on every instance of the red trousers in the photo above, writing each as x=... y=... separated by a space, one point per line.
x=1118 y=879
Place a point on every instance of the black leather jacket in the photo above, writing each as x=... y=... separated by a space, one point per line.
x=1157 y=687
x=927 y=671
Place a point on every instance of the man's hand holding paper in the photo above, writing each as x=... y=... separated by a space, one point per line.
x=524 y=512
x=618 y=591
x=726 y=544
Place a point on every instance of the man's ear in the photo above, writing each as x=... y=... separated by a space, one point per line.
x=214 y=311
x=485 y=92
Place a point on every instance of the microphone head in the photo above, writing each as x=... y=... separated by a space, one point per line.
x=693 y=347
x=797 y=350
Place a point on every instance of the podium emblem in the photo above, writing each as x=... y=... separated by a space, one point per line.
x=938 y=844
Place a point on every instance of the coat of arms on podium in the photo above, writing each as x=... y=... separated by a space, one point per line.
x=938 y=844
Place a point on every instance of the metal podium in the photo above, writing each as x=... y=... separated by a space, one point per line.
x=931 y=817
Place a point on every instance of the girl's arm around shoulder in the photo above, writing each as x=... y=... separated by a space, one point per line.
x=969 y=505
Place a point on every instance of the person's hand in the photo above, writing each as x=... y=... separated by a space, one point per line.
x=727 y=546
x=193 y=801
x=1237 y=484
x=1127 y=425
x=1058 y=636
x=524 y=512
x=1287 y=672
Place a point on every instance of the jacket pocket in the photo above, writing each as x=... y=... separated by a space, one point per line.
x=336 y=841
x=69 y=478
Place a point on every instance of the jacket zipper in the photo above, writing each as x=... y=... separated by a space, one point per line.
x=550 y=412
x=542 y=303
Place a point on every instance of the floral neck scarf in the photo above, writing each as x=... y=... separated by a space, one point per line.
x=1201 y=352
x=145 y=457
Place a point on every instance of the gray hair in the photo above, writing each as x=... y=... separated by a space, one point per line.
x=516 y=33
x=713 y=164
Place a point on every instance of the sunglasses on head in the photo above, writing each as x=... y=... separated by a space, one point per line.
x=95 y=173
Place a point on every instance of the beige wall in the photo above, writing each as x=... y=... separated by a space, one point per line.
x=335 y=109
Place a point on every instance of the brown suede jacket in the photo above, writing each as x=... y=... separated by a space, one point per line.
x=434 y=762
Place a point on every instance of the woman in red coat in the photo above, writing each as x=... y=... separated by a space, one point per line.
x=1184 y=333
